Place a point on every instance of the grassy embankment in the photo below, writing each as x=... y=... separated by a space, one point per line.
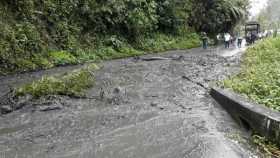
x=38 y=35
x=119 y=49
x=259 y=80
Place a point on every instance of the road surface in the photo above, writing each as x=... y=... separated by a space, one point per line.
x=155 y=106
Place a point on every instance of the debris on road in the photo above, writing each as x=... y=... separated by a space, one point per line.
x=138 y=108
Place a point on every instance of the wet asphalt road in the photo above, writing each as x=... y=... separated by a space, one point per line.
x=138 y=109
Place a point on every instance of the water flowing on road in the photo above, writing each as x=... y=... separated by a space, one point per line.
x=139 y=108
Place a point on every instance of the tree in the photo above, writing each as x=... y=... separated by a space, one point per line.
x=216 y=16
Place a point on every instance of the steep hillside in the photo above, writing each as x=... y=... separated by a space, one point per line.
x=38 y=34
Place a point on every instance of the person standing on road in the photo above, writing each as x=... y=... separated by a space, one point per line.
x=254 y=37
x=204 y=40
x=239 y=41
x=227 y=38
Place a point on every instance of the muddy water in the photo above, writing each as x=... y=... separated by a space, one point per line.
x=138 y=109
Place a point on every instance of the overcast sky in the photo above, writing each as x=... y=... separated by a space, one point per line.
x=257 y=5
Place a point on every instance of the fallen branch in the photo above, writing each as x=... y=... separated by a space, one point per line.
x=153 y=58
x=197 y=83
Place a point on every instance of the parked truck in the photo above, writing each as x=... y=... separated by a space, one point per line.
x=252 y=31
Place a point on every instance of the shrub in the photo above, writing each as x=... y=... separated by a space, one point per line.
x=160 y=42
x=86 y=55
x=71 y=84
x=62 y=58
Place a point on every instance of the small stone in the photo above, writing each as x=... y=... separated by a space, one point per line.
x=177 y=57
x=154 y=104
x=5 y=109
x=22 y=101
x=117 y=90
x=47 y=108
x=136 y=58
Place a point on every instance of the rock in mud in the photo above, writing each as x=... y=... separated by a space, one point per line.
x=22 y=101
x=49 y=103
x=11 y=103
x=46 y=108
x=115 y=96
x=177 y=57
x=117 y=90
x=154 y=104
x=5 y=109
x=153 y=58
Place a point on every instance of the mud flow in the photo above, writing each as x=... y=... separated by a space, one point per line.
x=154 y=106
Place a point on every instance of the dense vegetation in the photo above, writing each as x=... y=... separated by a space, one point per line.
x=271 y=150
x=38 y=34
x=260 y=75
x=218 y=16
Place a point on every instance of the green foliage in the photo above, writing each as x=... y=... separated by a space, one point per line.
x=161 y=42
x=72 y=84
x=19 y=45
x=30 y=29
x=107 y=53
x=271 y=150
x=217 y=16
x=260 y=75
x=173 y=14
x=42 y=62
x=62 y=58
x=86 y=55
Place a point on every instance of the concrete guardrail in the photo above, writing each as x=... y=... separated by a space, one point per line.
x=258 y=118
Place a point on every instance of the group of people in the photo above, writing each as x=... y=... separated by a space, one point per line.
x=227 y=38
